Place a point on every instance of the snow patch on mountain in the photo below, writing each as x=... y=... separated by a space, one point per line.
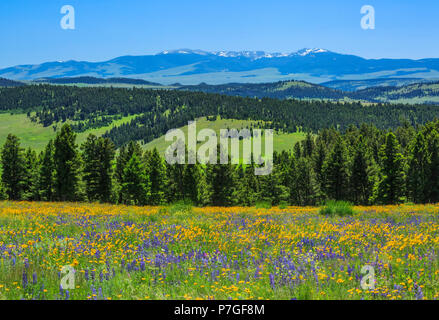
x=308 y=51
x=254 y=55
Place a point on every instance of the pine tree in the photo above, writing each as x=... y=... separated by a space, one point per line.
x=271 y=190
x=13 y=168
x=156 y=170
x=318 y=161
x=191 y=176
x=125 y=154
x=304 y=183
x=107 y=152
x=432 y=188
x=135 y=182
x=204 y=189
x=98 y=155
x=297 y=151
x=391 y=185
x=46 y=181
x=67 y=165
x=336 y=172
x=308 y=145
x=222 y=182
x=121 y=161
x=30 y=181
x=418 y=167
x=174 y=179
x=248 y=187
x=362 y=175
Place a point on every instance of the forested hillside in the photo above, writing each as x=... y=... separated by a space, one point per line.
x=427 y=92
x=94 y=80
x=354 y=85
x=10 y=83
x=364 y=165
x=161 y=110
x=278 y=90
x=421 y=92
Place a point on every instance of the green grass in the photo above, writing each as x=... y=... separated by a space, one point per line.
x=339 y=208
x=100 y=131
x=36 y=136
x=30 y=134
x=263 y=205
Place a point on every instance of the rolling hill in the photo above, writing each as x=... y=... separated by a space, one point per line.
x=10 y=83
x=354 y=85
x=413 y=91
x=96 y=81
x=427 y=93
x=279 y=90
x=124 y=114
x=422 y=92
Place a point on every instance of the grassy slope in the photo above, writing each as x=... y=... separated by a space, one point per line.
x=282 y=141
x=430 y=93
x=35 y=135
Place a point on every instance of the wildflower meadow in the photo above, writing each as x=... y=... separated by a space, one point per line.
x=182 y=252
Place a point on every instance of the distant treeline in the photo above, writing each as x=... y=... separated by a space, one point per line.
x=161 y=110
x=363 y=165
x=304 y=90
x=276 y=90
x=10 y=83
x=94 y=80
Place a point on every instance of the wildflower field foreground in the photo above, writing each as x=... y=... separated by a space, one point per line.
x=123 y=252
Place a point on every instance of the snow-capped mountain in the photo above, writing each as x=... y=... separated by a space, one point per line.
x=184 y=51
x=306 y=51
x=188 y=66
x=254 y=55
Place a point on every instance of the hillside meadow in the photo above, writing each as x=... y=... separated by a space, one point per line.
x=36 y=136
x=183 y=252
x=281 y=141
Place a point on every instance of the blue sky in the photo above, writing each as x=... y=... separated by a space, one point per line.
x=31 y=33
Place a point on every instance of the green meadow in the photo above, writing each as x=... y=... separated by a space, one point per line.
x=36 y=136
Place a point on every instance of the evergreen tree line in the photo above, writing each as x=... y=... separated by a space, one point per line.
x=363 y=165
x=157 y=111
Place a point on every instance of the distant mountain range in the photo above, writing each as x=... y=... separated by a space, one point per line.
x=190 y=67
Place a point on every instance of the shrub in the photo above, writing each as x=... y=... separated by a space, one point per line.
x=263 y=205
x=183 y=206
x=283 y=205
x=340 y=208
